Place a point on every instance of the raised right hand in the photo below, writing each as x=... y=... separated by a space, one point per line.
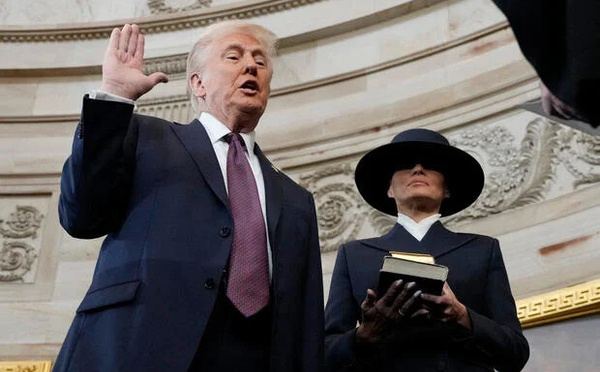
x=122 y=68
x=381 y=316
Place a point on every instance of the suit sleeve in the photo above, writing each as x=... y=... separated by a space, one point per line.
x=97 y=177
x=341 y=316
x=313 y=298
x=496 y=336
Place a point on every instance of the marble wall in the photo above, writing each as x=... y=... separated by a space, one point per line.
x=349 y=76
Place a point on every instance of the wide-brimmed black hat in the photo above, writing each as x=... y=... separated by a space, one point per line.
x=462 y=173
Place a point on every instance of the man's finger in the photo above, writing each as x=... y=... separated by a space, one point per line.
x=124 y=39
x=113 y=43
x=139 y=49
x=159 y=77
x=133 y=40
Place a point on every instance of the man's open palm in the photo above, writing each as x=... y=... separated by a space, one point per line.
x=122 y=68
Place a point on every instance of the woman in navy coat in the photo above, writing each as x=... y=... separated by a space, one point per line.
x=472 y=325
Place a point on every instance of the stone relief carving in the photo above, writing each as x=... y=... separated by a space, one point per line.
x=174 y=66
x=165 y=24
x=175 y=108
x=382 y=223
x=16 y=259
x=18 y=256
x=518 y=173
x=23 y=223
x=515 y=175
x=172 y=6
x=580 y=154
x=26 y=366
x=340 y=210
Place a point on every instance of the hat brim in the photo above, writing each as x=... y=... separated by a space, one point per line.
x=463 y=175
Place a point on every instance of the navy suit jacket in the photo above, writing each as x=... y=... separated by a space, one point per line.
x=478 y=279
x=156 y=189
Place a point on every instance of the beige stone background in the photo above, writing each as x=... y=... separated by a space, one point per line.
x=350 y=74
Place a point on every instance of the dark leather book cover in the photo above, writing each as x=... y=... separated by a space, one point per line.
x=429 y=278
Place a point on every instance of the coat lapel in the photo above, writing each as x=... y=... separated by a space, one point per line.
x=196 y=141
x=273 y=194
x=440 y=241
x=437 y=242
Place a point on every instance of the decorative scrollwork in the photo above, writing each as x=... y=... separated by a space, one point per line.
x=16 y=259
x=23 y=223
x=340 y=209
x=26 y=366
x=525 y=173
x=381 y=222
x=580 y=153
x=165 y=6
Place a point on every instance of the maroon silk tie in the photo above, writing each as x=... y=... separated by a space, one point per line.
x=248 y=286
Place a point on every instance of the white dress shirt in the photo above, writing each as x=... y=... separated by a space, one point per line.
x=417 y=229
x=216 y=132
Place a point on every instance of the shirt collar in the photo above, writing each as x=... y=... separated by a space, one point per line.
x=425 y=223
x=217 y=130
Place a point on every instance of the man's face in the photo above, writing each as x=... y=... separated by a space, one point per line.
x=417 y=187
x=236 y=79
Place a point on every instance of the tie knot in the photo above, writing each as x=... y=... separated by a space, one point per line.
x=233 y=137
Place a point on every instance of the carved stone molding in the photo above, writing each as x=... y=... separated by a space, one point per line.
x=24 y=223
x=340 y=210
x=173 y=108
x=162 y=23
x=580 y=153
x=382 y=223
x=516 y=175
x=174 y=66
x=16 y=259
x=26 y=366
x=160 y=6
x=17 y=255
x=578 y=300
x=520 y=175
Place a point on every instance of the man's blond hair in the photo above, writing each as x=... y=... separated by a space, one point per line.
x=199 y=54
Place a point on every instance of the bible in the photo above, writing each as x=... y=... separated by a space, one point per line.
x=411 y=267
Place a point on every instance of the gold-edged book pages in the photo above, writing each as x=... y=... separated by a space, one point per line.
x=26 y=366
x=417 y=257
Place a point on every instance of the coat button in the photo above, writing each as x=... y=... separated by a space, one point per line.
x=209 y=283
x=225 y=231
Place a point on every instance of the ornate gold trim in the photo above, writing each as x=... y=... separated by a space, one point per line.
x=566 y=303
x=153 y=24
x=26 y=366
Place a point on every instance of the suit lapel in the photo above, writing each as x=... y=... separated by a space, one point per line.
x=440 y=241
x=273 y=195
x=196 y=141
x=437 y=242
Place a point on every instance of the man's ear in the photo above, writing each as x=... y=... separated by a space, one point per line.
x=197 y=85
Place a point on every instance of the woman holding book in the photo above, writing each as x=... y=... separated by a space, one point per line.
x=472 y=324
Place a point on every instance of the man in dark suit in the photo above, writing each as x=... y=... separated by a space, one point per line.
x=472 y=325
x=561 y=40
x=212 y=259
